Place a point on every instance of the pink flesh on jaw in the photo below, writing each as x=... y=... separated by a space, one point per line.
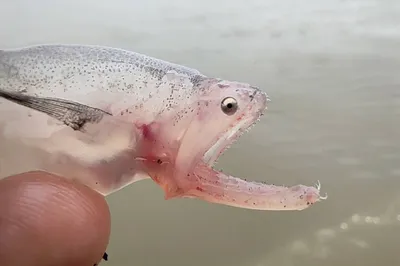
x=205 y=183
x=210 y=185
x=217 y=187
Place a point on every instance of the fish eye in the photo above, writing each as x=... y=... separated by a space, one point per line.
x=229 y=105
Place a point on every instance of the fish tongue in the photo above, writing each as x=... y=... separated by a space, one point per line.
x=217 y=187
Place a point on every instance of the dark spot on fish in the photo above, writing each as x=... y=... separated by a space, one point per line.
x=254 y=93
x=159 y=161
x=222 y=85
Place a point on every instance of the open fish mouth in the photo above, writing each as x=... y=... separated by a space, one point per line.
x=227 y=139
x=217 y=187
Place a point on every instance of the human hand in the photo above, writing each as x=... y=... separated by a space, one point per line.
x=48 y=220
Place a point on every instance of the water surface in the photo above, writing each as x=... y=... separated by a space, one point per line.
x=331 y=69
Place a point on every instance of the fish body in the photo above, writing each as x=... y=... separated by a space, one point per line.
x=108 y=117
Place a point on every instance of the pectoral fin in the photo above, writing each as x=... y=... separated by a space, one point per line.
x=72 y=114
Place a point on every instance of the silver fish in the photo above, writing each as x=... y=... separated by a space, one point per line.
x=109 y=117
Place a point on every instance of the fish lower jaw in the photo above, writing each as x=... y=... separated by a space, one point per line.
x=212 y=186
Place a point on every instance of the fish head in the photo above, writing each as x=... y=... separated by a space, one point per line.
x=215 y=113
x=224 y=110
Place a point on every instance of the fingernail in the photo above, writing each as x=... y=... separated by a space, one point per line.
x=105 y=256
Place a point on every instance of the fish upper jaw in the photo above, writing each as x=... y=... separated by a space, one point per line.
x=243 y=124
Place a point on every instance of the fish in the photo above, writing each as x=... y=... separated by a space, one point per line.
x=109 y=117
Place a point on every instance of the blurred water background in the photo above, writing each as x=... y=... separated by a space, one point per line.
x=331 y=69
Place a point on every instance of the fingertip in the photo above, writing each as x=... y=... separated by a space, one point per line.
x=49 y=220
